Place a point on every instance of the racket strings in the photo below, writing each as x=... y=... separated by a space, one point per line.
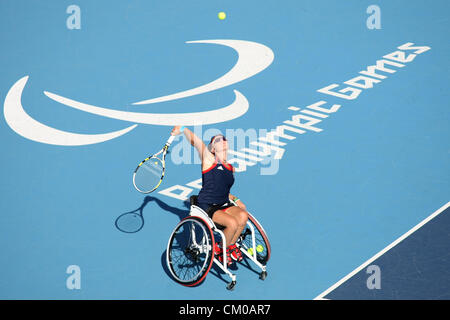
x=149 y=175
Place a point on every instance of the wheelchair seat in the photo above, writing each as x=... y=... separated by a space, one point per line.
x=193 y=202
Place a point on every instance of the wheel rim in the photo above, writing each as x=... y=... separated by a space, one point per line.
x=189 y=252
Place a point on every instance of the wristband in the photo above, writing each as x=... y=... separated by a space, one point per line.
x=236 y=199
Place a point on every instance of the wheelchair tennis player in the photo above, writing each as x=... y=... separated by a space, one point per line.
x=214 y=197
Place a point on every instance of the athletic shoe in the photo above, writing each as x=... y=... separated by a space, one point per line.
x=236 y=254
x=218 y=251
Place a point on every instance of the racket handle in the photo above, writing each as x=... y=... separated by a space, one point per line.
x=169 y=141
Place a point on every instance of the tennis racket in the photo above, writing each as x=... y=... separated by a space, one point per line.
x=149 y=173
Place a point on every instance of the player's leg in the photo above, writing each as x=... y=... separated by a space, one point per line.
x=230 y=223
x=241 y=217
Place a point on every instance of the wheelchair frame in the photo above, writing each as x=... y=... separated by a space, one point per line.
x=198 y=212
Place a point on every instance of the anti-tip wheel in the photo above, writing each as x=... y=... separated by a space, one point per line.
x=231 y=285
x=263 y=275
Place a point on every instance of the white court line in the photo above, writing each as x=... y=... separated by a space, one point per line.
x=393 y=244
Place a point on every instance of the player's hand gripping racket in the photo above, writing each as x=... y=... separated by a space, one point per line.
x=150 y=172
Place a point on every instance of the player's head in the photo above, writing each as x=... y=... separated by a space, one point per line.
x=218 y=143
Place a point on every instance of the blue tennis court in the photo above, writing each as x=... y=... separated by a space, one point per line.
x=337 y=116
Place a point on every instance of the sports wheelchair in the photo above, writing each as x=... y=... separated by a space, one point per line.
x=190 y=251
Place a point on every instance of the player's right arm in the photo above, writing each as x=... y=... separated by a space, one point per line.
x=195 y=141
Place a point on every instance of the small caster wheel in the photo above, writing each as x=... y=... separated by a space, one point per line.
x=231 y=285
x=263 y=275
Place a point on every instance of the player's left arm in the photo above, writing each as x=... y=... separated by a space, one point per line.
x=237 y=201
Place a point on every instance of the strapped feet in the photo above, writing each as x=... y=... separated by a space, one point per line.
x=233 y=253
x=236 y=253
x=218 y=251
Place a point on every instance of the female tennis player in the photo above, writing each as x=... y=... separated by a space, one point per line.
x=214 y=197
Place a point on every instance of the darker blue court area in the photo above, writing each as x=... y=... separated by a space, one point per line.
x=417 y=268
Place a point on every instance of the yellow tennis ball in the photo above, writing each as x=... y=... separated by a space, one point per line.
x=250 y=251
x=222 y=15
x=259 y=248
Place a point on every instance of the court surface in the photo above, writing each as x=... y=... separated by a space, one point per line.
x=368 y=165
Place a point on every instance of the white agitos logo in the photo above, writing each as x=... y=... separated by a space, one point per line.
x=253 y=58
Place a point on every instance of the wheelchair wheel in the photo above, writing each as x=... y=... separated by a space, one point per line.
x=190 y=251
x=262 y=244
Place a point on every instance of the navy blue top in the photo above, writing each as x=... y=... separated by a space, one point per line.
x=216 y=184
